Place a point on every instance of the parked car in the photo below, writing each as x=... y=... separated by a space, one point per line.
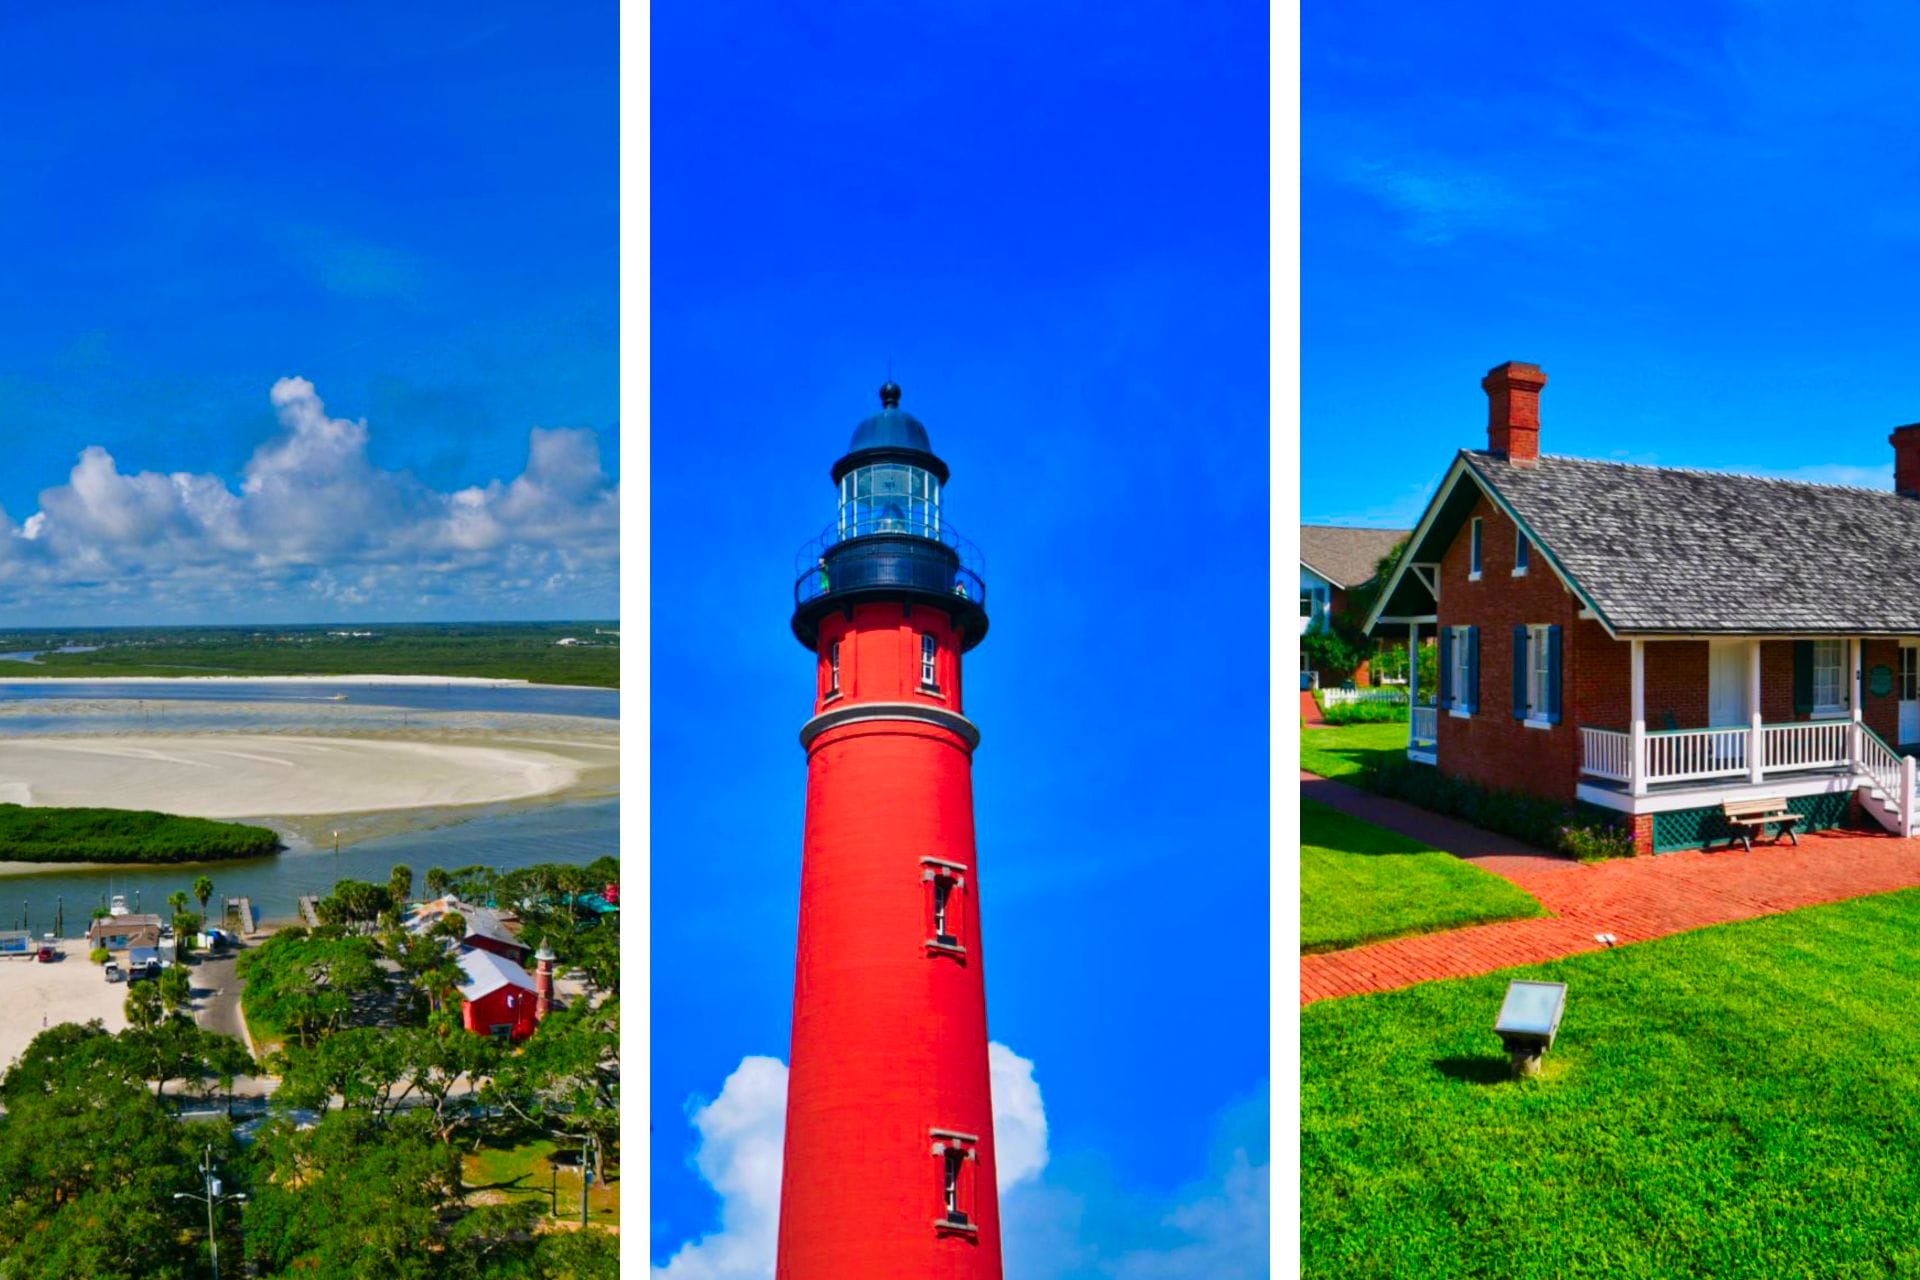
x=46 y=955
x=113 y=971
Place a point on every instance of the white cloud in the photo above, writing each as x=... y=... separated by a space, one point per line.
x=1019 y=1118
x=315 y=523
x=742 y=1133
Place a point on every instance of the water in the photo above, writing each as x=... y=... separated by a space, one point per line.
x=505 y=836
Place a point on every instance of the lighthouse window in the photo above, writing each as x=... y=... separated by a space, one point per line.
x=833 y=667
x=954 y=1161
x=958 y=1157
x=889 y=497
x=929 y=649
x=946 y=885
x=942 y=892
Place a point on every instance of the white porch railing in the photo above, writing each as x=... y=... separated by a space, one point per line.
x=1424 y=726
x=1686 y=755
x=1605 y=753
x=1881 y=763
x=1812 y=744
x=1692 y=755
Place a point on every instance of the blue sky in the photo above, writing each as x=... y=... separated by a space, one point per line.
x=401 y=216
x=1053 y=220
x=1700 y=220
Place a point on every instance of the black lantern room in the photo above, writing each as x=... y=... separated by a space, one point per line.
x=890 y=540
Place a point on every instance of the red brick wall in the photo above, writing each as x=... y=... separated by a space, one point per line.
x=1491 y=747
x=1494 y=749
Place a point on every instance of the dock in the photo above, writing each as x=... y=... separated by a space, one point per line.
x=310 y=910
x=243 y=908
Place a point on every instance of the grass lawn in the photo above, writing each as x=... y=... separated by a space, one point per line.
x=523 y=1171
x=1337 y=752
x=1360 y=883
x=1739 y=1101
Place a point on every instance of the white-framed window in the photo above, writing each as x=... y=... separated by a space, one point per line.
x=1829 y=677
x=833 y=667
x=1539 y=659
x=958 y=1154
x=946 y=900
x=1909 y=673
x=1460 y=662
x=1308 y=606
x=1473 y=551
x=929 y=650
x=1519 y=554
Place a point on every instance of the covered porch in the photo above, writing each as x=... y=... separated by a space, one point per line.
x=1823 y=744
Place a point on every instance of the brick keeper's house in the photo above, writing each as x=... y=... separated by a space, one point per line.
x=1659 y=641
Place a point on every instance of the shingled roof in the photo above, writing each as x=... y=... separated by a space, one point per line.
x=1345 y=557
x=1667 y=550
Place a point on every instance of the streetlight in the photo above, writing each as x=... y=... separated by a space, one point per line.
x=210 y=1199
x=1529 y=1019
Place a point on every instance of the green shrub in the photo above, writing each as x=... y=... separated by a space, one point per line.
x=99 y=955
x=1376 y=712
x=1584 y=831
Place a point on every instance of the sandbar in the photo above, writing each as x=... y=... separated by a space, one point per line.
x=264 y=775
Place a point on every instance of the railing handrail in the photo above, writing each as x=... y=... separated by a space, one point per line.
x=941 y=531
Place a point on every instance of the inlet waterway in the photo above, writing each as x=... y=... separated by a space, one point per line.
x=502 y=836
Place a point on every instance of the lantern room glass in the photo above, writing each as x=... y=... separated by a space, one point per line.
x=889 y=497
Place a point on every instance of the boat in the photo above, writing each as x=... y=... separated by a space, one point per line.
x=117 y=905
x=338 y=697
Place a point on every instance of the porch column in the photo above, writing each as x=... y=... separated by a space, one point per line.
x=1756 y=766
x=1413 y=681
x=1637 y=769
x=1856 y=744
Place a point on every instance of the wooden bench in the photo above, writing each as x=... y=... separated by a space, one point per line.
x=1750 y=817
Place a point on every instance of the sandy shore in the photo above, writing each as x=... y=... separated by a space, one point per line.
x=262 y=775
x=38 y=996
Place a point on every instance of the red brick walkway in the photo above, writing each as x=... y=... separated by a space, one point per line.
x=1632 y=898
x=1310 y=711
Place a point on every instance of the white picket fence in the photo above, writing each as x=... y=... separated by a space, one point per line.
x=1348 y=697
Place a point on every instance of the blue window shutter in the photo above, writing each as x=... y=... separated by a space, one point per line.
x=1472 y=695
x=1553 y=675
x=1445 y=699
x=1519 y=673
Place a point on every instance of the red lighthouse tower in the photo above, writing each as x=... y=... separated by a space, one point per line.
x=889 y=1167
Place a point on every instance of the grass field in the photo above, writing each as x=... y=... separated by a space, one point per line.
x=1740 y=1101
x=499 y=651
x=1337 y=752
x=1360 y=883
x=41 y=834
x=524 y=1171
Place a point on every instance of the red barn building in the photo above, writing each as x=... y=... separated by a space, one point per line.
x=1660 y=643
x=889 y=1157
x=499 y=998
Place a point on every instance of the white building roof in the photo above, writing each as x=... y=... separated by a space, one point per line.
x=487 y=973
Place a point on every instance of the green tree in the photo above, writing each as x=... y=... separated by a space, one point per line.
x=143 y=1004
x=202 y=891
x=565 y=1079
x=437 y=881
x=176 y=988
x=177 y=901
x=400 y=884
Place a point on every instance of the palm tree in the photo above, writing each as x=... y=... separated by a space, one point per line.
x=177 y=901
x=400 y=884
x=202 y=889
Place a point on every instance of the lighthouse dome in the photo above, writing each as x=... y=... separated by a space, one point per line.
x=891 y=428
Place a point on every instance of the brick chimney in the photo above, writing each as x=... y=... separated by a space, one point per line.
x=1906 y=460
x=1513 y=411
